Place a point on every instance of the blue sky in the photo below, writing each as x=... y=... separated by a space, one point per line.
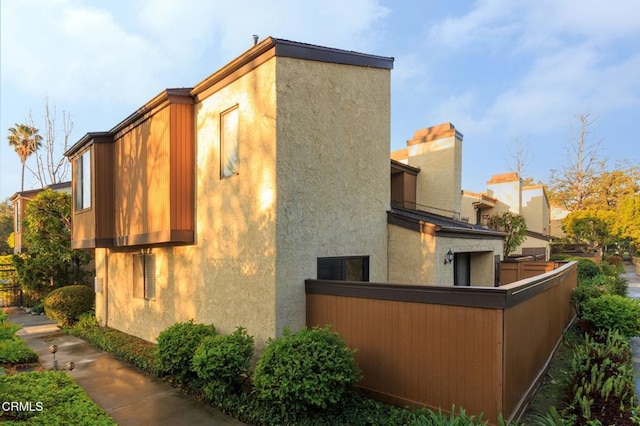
x=499 y=70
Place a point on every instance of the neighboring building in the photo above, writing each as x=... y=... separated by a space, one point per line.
x=20 y=200
x=215 y=203
x=505 y=192
x=558 y=213
x=428 y=243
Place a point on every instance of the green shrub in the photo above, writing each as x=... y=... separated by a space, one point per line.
x=3 y=316
x=311 y=369
x=613 y=312
x=38 y=309
x=587 y=268
x=176 y=346
x=614 y=260
x=16 y=351
x=582 y=293
x=66 y=304
x=223 y=362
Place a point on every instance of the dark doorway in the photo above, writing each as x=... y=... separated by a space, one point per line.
x=462 y=269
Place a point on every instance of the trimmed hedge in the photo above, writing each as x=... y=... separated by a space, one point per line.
x=309 y=370
x=612 y=312
x=176 y=346
x=66 y=304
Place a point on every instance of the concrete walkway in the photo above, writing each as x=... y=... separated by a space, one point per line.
x=128 y=395
x=634 y=292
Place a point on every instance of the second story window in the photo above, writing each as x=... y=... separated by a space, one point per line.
x=82 y=187
x=229 y=149
x=17 y=216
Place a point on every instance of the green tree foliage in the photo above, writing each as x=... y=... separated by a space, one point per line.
x=6 y=225
x=627 y=223
x=594 y=227
x=50 y=262
x=515 y=227
x=25 y=140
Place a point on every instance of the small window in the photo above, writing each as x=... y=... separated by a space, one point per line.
x=353 y=268
x=229 y=149
x=144 y=276
x=17 y=215
x=82 y=187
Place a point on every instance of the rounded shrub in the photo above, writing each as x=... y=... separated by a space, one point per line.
x=587 y=268
x=311 y=369
x=613 y=312
x=66 y=304
x=176 y=346
x=223 y=362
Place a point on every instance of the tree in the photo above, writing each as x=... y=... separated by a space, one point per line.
x=25 y=140
x=50 y=262
x=627 y=219
x=519 y=157
x=611 y=187
x=51 y=165
x=572 y=186
x=513 y=225
x=6 y=225
x=593 y=227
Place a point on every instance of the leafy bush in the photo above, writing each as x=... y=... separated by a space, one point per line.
x=63 y=402
x=176 y=346
x=615 y=260
x=612 y=312
x=602 y=385
x=16 y=351
x=311 y=369
x=582 y=293
x=38 y=309
x=222 y=361
x=587 y=268
x=139 y=352
x=66 y=304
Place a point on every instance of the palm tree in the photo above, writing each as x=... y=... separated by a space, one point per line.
x=25 y=140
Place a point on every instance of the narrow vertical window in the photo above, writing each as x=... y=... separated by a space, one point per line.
x=17 y=216
x=82 y=187
x=144 y=276
x=229 y=149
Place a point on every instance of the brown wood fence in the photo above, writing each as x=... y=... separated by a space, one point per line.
x=480 y=348
x=511 y=272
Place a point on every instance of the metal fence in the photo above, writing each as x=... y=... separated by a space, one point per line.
x=10 y=292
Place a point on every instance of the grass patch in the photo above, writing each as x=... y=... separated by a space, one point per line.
x=49 y=398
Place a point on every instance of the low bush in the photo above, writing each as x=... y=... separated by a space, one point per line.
x=136 y=351
x=602 y=385
x=223 y=362
x=14 y=350
x=176 y=347
x=582 y=293
x=311 y=369
x=587 y=268
x=613 y=312
x=614 y=260
x=66 y=304
x=54 y=397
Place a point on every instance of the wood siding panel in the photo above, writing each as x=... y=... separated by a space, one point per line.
x=84 y=221
x=416 y=346
x=182 y=167
x=103 y=191
x=419 y=354
x=537 y=324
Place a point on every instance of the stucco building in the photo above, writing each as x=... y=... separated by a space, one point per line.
x=505 y=193
x=216 y=202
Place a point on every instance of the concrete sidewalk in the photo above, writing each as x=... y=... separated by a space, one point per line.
x=127 y=394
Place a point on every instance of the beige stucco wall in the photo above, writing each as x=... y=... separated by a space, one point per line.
x=535 y=209
x=508 y=194
x=333 y=132
x=228 y=277
x=418 y=258
x=440 y=179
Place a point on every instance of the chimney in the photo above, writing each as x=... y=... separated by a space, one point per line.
x=255 y=39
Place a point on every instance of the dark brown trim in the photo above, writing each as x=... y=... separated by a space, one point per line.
x=538 y=235
x=174 y=236
x=92 y=243
x=480 y=297
x=271 y=47
x=412 y=225
x=311 y=52
x=398 y=167
x=88 y=140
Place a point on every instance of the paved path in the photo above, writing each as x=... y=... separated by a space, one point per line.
x=634 y=292
x=128 y=395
